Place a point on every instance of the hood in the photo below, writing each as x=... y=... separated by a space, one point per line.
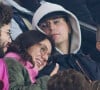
x=47 y=8
x=17 y=6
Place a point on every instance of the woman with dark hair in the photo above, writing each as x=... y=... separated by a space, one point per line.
x=25 y=57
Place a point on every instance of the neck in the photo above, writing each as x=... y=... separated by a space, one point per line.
x=63 y=47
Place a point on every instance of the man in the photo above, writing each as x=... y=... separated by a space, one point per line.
x=51 y=21
x=63 y=27
x=5 y=19
x=87 y=12
x=5 y=39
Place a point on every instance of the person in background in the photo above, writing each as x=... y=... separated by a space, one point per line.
x=22 y=17
x=25 y=57
x=98 y=38
x=68 y=80
x=5 y=39
x=63 y=27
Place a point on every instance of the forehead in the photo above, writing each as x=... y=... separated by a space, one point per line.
x=50 y=18
x=5 y=27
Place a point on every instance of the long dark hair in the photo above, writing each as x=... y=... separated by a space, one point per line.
x=26 y=40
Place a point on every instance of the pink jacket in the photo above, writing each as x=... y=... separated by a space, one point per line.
x=4 y=75
x=33 y=72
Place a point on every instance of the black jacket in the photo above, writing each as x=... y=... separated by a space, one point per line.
x=79 y=62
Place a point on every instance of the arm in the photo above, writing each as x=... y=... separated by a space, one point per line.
x=3 y=75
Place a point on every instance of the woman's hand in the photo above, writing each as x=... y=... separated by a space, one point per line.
x=55 y=70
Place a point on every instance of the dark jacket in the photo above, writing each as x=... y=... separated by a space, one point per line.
x=79 y=62
x=19 y=78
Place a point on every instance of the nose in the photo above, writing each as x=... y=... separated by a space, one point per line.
x=52 y=26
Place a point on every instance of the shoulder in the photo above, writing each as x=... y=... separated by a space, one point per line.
x=2 y=62
x=13 y=63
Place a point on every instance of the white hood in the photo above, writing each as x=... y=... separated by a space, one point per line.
x=46 y=8
x=17 y=6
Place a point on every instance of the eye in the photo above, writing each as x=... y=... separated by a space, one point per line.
x=43 y=49
x=8 y=33
x=44 y=25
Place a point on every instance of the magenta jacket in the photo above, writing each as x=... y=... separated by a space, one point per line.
x=4 y=75
x=33 y=72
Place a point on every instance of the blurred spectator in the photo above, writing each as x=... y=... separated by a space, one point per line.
x=98 y=38
x=69 y=80
x=23 y=12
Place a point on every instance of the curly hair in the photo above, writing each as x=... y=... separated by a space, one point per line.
x=6 y=14
x=69 y=79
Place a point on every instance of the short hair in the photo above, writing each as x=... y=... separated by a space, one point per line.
x=53 y=15
x=6 y=14
x=68 y=80
x=26 y=40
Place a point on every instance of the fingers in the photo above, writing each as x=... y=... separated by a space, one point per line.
x=55 y=70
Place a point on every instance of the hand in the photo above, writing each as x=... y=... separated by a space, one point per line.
x=55 y=70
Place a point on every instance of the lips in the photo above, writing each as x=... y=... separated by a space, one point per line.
x=54 y=36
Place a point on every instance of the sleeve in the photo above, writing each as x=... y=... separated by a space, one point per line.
x=4 y=75
x=19 y=78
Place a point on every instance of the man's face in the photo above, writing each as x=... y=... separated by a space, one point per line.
x=98 y=45
x=57 y=28
x=5 y=38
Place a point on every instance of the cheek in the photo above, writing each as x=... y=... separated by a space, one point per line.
x=4 y=38
x=34 y=54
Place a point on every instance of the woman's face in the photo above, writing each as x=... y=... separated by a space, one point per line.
x=40 y=53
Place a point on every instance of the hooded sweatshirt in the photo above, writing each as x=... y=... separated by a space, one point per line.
x=74 y=60
x=47 y=8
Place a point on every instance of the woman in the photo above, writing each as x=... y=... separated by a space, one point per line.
x=27 y=55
